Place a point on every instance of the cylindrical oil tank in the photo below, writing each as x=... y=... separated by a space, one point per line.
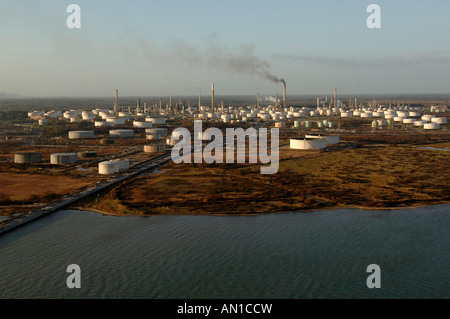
x=408 y=121
x=308 y=143
x=297 y=124
x=26 y=158
x=101 y=124
x=157 y=131
x=431 y=126
x=154 y=148
x=156 y=120
x=81 y=134
x=426 y=118
x=439 y=120
x=347 y=114
x=331 y=139
x=63 y=158
x=121 y=133
x=418 y=123
x=108 y=167
x=43 y=122
x=142 y=124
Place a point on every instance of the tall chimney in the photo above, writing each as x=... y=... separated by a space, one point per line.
x=284 y=93
x=257 y=102
x=276 y=100
x=335 y=91
x=160 y=105
x=212 y=98
x=138 y=105
x=318 y=102
x=199 y=99
x=116 y=101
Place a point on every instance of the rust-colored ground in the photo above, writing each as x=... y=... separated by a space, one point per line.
x=25 y=187
x=372 y=176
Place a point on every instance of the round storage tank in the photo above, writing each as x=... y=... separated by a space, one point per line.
x=157 y=131
x=108 y=168
x=331 y=139
x=27 y=158
x=154 y=148
x=431 y=126
x=308 y=143
x=81 y=134
x=43 y=122
x=121 y=133
x=142 y=124
x=156 y=120
x=439 y=120
x=63 y=158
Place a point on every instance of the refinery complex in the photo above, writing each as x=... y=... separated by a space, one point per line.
x=93 y=149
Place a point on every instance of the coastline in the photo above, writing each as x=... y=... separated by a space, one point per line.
x=311 y=210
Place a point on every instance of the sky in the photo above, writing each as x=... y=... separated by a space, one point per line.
x=154 y=48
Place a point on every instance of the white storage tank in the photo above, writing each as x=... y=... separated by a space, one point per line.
x=331 y=139
x=439 y=120
x=101 y=124
x=162 y=131
x=408 y=121
x=347 y=114
x=108 y=167
x=156 y=120
x=154 y=148
x=63 y=158
x=418 y=123
x=308 y=143
x=81 y=134
x=43 y=122
x=27 y=158
x=142 y=124
x=121 y=133
x=431 y=126
x=426 y=118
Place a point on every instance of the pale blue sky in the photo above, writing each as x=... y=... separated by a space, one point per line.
x=156 y=47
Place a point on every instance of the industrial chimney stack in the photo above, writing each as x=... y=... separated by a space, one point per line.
x=116 y=101
x=284 y=93
x=212 y=98
x=335 y=92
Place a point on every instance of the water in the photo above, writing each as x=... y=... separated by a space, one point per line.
x=294 y=255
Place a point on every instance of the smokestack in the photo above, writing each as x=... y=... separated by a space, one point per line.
x=257 y=102
x=284 y=93
x=145 y=106
x=221 y=106
x=138 y=105
x=276 y=100
x=212 y=98
x=116 y=101
x=335 y=92
x=318 y=102
x=160 y=106
x=199 y=99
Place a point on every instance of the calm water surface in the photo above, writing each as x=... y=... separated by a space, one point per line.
x=294 y=255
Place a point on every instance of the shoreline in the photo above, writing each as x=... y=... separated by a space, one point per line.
x=266 y=213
